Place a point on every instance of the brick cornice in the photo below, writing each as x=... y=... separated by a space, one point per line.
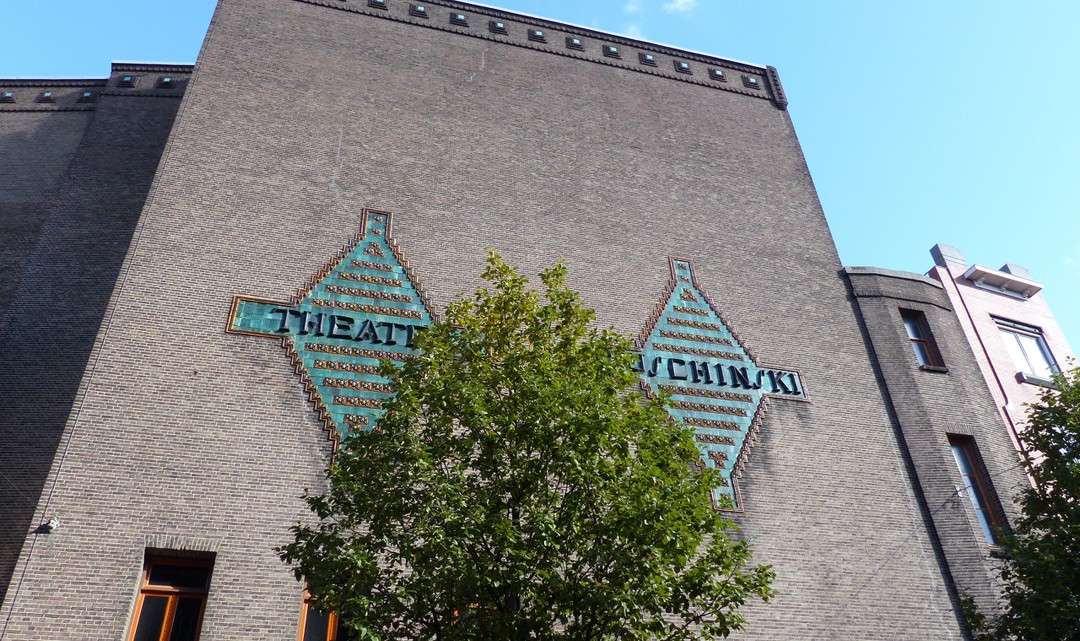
x=121 y=67
x=767 y=79
x=45 y=83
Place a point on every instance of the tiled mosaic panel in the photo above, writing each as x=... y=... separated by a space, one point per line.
x=365 y=308
x=714 y=384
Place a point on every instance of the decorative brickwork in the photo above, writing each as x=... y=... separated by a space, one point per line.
x=701 y=338
x=697 y=373
x=715 y=424
x=307 y=330
x=518 y=30
x=710 y=353
x=708 y=393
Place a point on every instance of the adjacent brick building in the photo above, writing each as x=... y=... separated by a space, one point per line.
x=1010 y=328
x=144 y=422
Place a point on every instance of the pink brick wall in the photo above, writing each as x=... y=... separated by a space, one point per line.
x=976 y=308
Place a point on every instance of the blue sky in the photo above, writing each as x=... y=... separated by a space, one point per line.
x=924 y=121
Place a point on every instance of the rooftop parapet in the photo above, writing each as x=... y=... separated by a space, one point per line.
x=73 y=94
x=572 y=41
x=1011 y=280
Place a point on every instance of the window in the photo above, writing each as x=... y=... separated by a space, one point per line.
x=1028 y=349
x=975 y=484
x=316 y=625
x=922 y=342
x=172 y=599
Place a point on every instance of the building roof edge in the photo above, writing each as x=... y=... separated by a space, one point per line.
x=162 y=67
x=756 y=81
x=599 y=32
x=892 y=273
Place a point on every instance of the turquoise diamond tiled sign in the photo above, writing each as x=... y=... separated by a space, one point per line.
x=689 y=351
x=365 y=305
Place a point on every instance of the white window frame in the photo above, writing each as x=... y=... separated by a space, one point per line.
x=1028 y=349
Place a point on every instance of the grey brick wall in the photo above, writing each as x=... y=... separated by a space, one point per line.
x=78 y=182
x=300 y=115
x=38 y=145
x=931 y=405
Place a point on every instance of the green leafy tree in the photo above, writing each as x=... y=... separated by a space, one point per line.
x=1041 y=568
x=515 y=489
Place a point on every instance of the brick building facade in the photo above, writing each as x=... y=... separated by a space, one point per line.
x=1009 y=327
x=145 y=226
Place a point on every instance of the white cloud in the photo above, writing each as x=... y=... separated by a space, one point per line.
x=633 y=30
x=680 y=6
x=1073 y=264
x=633 y=6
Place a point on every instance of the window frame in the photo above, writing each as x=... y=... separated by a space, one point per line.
x=1013 y=330
x=990 y=517
x=173 y=594
x=333 y=623
x=923 y=344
